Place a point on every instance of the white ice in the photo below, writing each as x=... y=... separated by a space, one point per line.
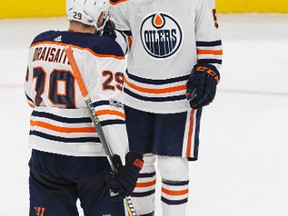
x=243 y=161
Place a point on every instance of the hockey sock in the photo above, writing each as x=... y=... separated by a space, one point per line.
x=144 y=191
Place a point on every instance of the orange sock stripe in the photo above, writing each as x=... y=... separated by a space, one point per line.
x=145 y=184
x=174 y=193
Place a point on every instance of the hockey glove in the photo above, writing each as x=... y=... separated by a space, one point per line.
x=201 y=86
x=109 y=30
x=124 y=181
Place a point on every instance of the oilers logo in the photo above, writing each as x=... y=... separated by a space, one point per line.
x=161 y=35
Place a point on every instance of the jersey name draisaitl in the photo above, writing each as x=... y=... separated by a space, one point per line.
x=60 y=122
x=166 y=44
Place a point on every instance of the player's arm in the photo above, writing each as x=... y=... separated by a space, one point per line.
x=202 y=84
x=29 y=85
x=105 y=82
x=120 y=37
x=122 y=180
x=208 y=38
x=107 y=93
x=27 y=88
x=119 y=16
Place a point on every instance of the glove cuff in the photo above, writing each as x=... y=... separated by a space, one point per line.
x=135 y=159
x=209 y=69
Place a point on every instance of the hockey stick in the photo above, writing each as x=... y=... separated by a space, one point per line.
x=95 y=120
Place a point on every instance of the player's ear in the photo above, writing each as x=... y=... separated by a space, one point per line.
x=100 y=19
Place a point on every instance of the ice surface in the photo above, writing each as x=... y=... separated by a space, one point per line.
x=243 y=164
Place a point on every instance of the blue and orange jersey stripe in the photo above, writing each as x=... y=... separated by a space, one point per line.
x=63 y=129
x=162 y=90
x=209 y=52
x=110 y=112
x=156 y=90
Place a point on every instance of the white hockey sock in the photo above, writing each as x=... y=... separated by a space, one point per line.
x=174 y=197
x=175 y=183
x=143 y=196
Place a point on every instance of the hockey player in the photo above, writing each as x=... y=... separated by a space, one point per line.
x=172 y=73
x=68 y=161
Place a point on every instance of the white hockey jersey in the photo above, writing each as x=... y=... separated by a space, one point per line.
x=60 y=122
x=168 y=38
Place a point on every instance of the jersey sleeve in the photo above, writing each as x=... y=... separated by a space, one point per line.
x=208 y=38
x=104 y=79
x=119 y=15
x=29 y=90
x=211 y=4
x=123 y=40
x=123 y=29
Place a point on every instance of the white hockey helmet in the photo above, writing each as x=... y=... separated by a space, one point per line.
x=87 y=11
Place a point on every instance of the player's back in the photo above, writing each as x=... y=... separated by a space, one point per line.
x=59 y=114
x=51 y=71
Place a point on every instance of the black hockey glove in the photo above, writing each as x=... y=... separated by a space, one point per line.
x=124 y=181
x=201 y=86
x=109 y=30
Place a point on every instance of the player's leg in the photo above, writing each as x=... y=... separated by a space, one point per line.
x=176 y=138
x=144 y=191
x=175 y=180
x=177 y=134
x=94 y=194
x=140 y=127
x=50 y=193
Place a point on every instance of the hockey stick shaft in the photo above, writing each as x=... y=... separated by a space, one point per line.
x=95 y=120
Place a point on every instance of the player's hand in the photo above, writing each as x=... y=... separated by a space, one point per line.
x=109 y=30
x=124 y=181
x=201 y=86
